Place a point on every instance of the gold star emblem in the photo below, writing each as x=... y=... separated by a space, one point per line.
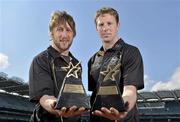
x=73 y=70
x=106 y=71
x=68 y=67
x=111 y=73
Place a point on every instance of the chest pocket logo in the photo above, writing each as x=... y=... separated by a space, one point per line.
x=113 y=60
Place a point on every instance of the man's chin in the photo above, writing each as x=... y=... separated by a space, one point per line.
x=63 y=48
x=106 y=40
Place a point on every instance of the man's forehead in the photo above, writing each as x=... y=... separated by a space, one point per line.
x=64 y=25
x=105 y=15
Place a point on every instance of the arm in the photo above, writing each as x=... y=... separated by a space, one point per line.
x=130 y=96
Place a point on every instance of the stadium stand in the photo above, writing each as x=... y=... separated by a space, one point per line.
x=14 y=102
x=160 y=106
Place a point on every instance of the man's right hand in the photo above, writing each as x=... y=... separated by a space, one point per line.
x=72 y=111
x=48 y=103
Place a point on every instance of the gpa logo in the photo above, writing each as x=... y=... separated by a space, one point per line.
x=113 y=60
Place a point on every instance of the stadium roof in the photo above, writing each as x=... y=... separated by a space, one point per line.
x=13 y=84
x=159 y=96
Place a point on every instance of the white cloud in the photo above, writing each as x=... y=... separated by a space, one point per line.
x=174 y=82
x=4 y=63
x=148 y=83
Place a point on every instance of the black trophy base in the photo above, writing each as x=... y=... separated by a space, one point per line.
x=70 y=99
x=109 y=101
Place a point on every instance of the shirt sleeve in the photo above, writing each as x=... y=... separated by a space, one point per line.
x=132 y=66
x=91 y=82
x=40 y=80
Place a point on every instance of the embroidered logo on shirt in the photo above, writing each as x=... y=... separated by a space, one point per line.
x=113 y=60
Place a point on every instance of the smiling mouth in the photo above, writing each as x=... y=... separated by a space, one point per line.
x=63 y=40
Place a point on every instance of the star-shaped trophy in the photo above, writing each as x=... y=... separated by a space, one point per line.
x=72 y=91
x=108 y=93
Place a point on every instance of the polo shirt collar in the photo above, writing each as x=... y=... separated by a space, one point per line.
x=117 y=46
x=54 y=53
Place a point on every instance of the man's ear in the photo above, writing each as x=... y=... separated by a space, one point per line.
x=96 y=29
x=51 y=34
x=118 y=25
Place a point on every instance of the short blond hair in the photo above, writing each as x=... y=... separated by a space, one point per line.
x=61 y=17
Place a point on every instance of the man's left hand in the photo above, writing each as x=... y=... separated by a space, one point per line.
x=72 y=111
x=112 y=113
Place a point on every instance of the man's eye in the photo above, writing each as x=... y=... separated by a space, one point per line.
x=68 y=30
x=100 y=25
x=59 y=29
x=109 y=23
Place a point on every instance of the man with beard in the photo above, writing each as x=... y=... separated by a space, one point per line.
x=49 y=66
x=128 y=76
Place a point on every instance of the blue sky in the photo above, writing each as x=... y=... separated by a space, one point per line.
x=151 y=25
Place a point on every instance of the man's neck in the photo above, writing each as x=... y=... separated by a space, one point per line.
x=62 y=52
x=65 y=53
x=110 y=44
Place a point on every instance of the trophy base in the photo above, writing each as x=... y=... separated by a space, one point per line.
x=70 y=99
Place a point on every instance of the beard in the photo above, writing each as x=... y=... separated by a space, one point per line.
x=63 y=45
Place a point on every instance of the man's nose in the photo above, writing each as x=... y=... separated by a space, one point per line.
x=105 y=28
x=64 y=34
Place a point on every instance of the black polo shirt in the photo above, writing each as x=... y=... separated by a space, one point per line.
x=41 y=80
x=131 y=70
